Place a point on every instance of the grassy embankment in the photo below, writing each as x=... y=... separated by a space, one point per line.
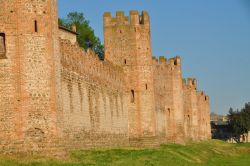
x=212 y=153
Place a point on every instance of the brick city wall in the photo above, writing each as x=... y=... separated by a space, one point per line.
x=203 y=116
x=94 y=101
x=55 y=96
x=170 y=97
x=190 y=109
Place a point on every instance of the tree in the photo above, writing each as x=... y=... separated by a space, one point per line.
x=86 y=38
x=246 y=116
x=240 y=120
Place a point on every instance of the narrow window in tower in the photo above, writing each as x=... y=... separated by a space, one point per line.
x=168 y=112
x=2 y=46
x=175 y=62
x=36 y=27
x=146 y=86
x=125 y=61
x=188 y=119
x=120 y=31
x=132 y=96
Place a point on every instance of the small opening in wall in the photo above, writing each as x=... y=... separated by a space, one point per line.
x=120 y=31
x=132 y=96
x=205 y=97
x=135 y=29
x=140 y=20
x=125 y=61
x=168 y=112
x=36 y=27
x=188 y=119
x=2 y=46
x=175 y=62
x=146 y=86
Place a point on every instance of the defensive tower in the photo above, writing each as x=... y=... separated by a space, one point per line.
x=127 y=43
x=190 y=109
x=29 y=70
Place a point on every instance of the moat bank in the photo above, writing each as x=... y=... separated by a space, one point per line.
x=205 y=153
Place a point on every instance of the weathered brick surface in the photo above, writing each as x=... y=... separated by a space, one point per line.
x=56 y=97
x=127 y=43
x=28 y=102
x=169 y=96
x=190 y=109
x=203 y=116
x=177 y=98
x=94 y=102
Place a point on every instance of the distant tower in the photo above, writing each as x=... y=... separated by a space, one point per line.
x=127 y=44
x=29 y=70
x=208 y=124
x=177 y=98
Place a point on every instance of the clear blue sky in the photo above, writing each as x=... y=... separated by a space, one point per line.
x=211 y=36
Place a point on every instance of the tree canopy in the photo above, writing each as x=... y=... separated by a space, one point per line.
x=240 y=120
x=86 y=38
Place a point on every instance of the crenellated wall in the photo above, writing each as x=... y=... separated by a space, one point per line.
x=190 y=109
x=55 y=96
x=182 y=112
x=203 y=116
x=94 y=101
x=169 y=95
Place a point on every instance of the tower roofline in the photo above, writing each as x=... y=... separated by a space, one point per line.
x=134 y=18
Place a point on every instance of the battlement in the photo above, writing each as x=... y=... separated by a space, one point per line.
x=175 y=61
x=155 y=60
x=203 y=96
x=200 y=93
x=87 y=63
x=134 y=18
x=162 y=59
x=207 y=98
x=190 y=82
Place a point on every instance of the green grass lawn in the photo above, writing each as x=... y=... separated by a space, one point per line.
x=214 y=153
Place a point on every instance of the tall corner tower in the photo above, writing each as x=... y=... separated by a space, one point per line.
x=29 y=70
x=127 y=44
